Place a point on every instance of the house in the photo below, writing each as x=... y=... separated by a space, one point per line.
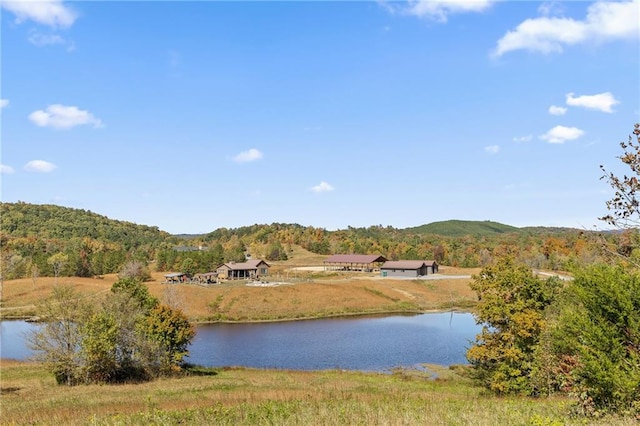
x=249 y=270
x=353 y=262
x=408 y=268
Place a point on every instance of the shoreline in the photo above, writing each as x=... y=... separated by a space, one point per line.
x=382 y=313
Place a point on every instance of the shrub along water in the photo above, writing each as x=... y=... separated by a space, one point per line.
x=129 y=336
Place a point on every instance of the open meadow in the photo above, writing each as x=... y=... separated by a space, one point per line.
x=267 y=397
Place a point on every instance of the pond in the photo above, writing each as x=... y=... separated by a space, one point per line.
x=361 y=343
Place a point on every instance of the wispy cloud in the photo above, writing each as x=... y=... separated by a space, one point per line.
x=63 y=117
x=601 y=102
x=492 y=149
x=322 y=187
x=561 y=134
x=523 y=138
x=605 y=21
x=551 y=8
x=6 y=170
x=39 y=166
x=248 y=156
x=557 y=110
x=40 y=40
x=52 y=13
x=4 y=103
x=439 y=10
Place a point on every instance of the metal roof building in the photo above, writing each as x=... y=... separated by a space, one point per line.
x=353 y=262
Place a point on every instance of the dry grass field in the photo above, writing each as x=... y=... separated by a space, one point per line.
x=302 y=295
x=292 y=294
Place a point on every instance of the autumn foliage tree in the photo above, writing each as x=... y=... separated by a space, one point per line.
x=511 y=306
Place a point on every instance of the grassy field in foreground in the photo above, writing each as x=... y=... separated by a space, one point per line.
x=274 y=397
x=303 y=295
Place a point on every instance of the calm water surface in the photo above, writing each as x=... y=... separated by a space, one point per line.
x=347 y=343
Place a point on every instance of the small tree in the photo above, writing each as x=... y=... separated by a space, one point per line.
x=136 y=269
x=57 y=262
x=35 y=273
x=172 y=331
x=57 y=343
x=189 y=266
x=136 y=290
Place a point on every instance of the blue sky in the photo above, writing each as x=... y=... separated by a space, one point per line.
x=192 y=116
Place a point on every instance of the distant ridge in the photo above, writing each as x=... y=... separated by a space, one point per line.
x=460 y=228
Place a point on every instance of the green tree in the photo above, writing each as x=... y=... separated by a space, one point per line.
x=510 y=308
x=189 y=266
x=599 y=327
x=172 y=331
x=275 y=251
x=137 y=291
x=100 y=347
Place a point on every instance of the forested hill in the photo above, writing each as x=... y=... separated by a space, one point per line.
x=93 y=244
x=460 y=228
x=47 y=221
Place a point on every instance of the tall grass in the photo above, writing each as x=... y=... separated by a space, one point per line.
x=274 y=397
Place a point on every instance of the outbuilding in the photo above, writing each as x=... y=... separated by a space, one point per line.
x=408 y=268
x=177 y=277
x=354 y=262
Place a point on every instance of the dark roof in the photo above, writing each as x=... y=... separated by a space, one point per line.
x=406 y=264
x=355 y=258
x=243 y=266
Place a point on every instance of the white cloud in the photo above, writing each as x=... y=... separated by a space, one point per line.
x=248 y=156
x=4 y=103
x=605 y=21
x=6 y=170
x=492 y=149
x=39 y=39
x=561 y=134
x=63 y=117
x=601 y=102
x=439 y=10
x=557 y=110
x=523 y=138
x=322 y=187
x=39 y=166
x=46 y=12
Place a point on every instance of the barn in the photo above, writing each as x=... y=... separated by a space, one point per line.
x=354 y=262
x=408 y=268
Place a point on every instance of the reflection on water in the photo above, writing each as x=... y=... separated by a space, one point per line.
x=347 y=343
